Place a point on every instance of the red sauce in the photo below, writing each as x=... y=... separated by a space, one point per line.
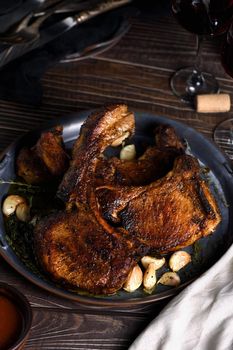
x=10 y=322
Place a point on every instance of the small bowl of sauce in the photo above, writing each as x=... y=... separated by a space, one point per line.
x=15 y=318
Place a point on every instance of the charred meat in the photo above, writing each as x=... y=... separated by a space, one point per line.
x=46 y=160
x=101 y=129
x=169 y=214
x=118 y=211
x=74 y=249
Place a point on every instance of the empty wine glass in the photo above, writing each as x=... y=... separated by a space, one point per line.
x=223 y=133
x=204 y=18
x=223 y=136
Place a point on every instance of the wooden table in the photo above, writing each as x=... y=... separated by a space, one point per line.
x=136 y=71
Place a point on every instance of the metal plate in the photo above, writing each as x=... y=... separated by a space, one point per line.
x=211 y=248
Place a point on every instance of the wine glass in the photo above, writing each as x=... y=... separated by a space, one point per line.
x=223 y=133
x=204 y=18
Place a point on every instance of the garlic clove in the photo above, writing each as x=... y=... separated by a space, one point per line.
x=149 y=278
x=128 y=152
x=158 y=263
x=178 y=260
x=134 y=279
x=170 y=279
x=23 y=212
x=10 y=204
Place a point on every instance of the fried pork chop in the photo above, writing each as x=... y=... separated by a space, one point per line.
x=76 y=250
x=152 y=165
x=73 y=246
x=100 y=130
x=46 y=160
x=111 y=220
x=169 y=214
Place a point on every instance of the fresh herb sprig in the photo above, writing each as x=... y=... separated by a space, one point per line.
x=17 y=183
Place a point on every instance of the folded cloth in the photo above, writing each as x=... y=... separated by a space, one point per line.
x=199 y=318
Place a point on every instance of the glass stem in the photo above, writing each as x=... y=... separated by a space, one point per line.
x=196 y=79
x=198 y=59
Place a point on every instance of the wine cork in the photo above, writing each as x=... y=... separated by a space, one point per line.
x=213 y=103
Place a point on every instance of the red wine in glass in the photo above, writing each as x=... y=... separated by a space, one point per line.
x=227 y=52
x=204 y=18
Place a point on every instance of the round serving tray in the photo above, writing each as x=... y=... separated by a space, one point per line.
x=211 y=248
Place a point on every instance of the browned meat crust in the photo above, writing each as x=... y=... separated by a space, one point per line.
x=47 y=159
x=168 y=214
x=31 y=167
x=115 y=213
x=166 y=137
x=74 y=249
x=152 y=165
x=100 y=130
x=50 y=149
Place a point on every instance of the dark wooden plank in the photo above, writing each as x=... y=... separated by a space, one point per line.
x=53 y=330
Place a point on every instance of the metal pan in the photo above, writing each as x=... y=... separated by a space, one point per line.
x=210 y=248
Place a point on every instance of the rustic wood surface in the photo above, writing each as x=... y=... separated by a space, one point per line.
x=136 y=71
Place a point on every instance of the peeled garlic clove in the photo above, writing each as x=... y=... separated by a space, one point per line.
x=23 y=212
x=146 y=260
x=134 y=279
x=128 y=152
x=149 y=278
x=119 y=141
x=178 y=260
x=170 y=279
x=10 y=204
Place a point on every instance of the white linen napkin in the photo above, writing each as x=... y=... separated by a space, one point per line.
x=199 y=318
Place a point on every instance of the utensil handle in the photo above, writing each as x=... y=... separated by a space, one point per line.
x=39 y=19
x=101 y=8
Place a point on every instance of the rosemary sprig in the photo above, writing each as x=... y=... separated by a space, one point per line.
x=12 y=182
